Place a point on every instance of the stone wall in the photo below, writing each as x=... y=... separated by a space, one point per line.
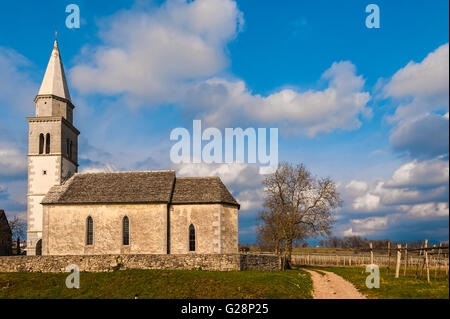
x=105 y=263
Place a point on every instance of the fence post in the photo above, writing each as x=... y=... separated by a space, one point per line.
x=439 y=259
x=389 y=257
x=406 y=258
x=371 y=253
x=399 y=257
x=426 y=260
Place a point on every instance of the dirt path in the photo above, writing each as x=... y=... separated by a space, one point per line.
x=332 y=286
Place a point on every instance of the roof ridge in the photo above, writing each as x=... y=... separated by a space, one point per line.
x=128 y=172
x=199 y=177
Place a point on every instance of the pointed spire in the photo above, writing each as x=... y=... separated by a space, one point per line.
x=54 y=82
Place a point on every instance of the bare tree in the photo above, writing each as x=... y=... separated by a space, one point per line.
x=296 y=206
x=18 y=227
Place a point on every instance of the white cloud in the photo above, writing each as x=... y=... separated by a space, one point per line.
x=12 y=161
x=427 y=78
x=367 y=202
x=422 y=91
x=230 y=174
x=356 y=188
x=414 y=183
x=177 y=54
x=149 y=55
x=427 y=210
x=101 y=168
x=430 y=173
x=339 y=106
x=423 y=136
x=366 y=226
x=16 y=87
x=251 y=199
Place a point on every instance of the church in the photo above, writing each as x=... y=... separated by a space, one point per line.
x=148 y=212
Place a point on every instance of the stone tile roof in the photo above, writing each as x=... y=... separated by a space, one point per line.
x=139 y=187
x=201 y=190
x=121 y=187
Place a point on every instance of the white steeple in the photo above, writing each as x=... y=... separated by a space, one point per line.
x=54 y=82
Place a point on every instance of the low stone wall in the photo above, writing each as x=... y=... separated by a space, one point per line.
x=105 y=263
x=260 y=262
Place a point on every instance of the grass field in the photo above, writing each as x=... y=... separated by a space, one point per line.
x=407 y=287
x=178 y=284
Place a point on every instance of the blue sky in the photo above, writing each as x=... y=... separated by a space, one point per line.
x=367 y=107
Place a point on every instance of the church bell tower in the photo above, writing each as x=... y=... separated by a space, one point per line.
x=52 y=145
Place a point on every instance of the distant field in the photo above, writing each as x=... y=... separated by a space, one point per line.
x=160 y=284
x=407 y=287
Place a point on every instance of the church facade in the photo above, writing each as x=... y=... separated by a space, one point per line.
x=150 y=212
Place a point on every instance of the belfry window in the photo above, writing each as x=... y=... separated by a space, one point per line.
x=89 y=231
x=126 y=231
x=47 y=144
x=191 y=238
x=41 y=144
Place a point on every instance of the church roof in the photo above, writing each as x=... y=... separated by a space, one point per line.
x=200 y=190
x=139 y=187
x=54 y=82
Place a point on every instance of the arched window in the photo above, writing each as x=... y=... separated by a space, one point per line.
x=47 y=144
x=89 y=231
x=191 y=238
x=126 y=231
x=41 y=144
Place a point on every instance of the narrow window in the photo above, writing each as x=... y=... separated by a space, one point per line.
x=47 y=144
x=89 y=231
x=68 y=148
x=41 y=144
x=191 y=238
x=126 y=231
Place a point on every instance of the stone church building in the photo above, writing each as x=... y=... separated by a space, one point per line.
x=5 y=235
x=151 y=212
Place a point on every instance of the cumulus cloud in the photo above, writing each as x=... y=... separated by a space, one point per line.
x=339 y=106
x=425 y=136
x=427 y=210
x=231 y=174
x=366 y=226
x=149 y=55
x=429 y=173
x=366 y=202
x=417 y=190
x=412 y=183
x=176 y=53
x=426 y=83
x=12 y=161
x=422 y=92
x=14 y=77
x=101 y=168
x=251 y=199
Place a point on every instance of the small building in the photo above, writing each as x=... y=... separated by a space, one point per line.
x=151 y=212
x=5 y=235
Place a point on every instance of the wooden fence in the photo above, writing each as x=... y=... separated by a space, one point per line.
x=432 y=261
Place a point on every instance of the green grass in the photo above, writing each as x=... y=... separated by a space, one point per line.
x=404 y=287
x=178 y=284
